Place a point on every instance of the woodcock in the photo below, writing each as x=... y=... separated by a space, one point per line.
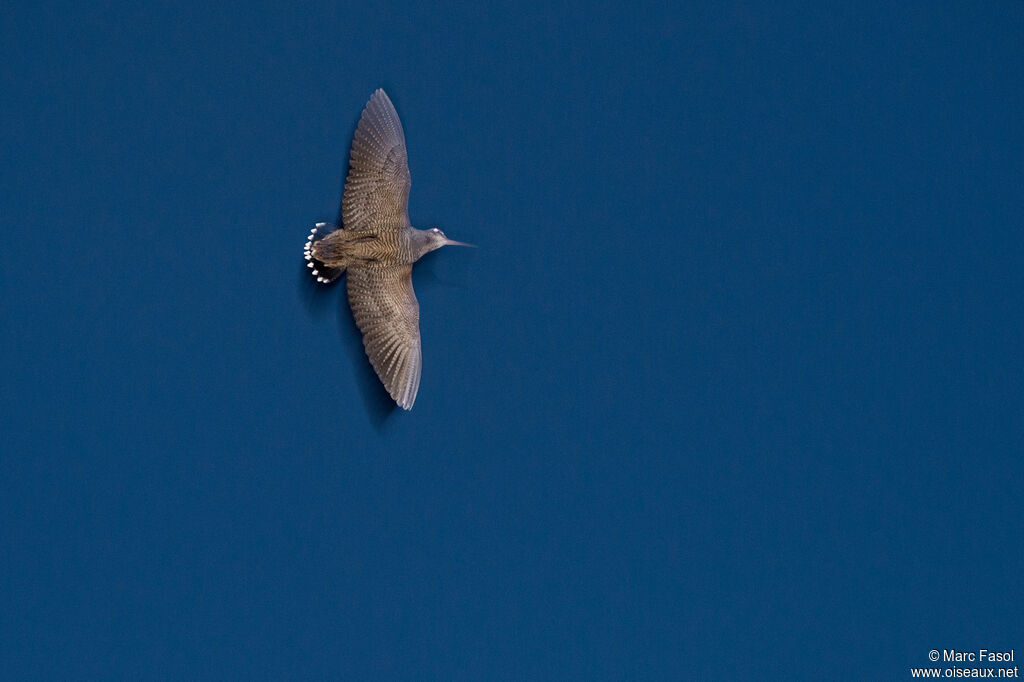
x=377 y=246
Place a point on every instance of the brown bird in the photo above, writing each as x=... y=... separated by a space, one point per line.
x=377 y=246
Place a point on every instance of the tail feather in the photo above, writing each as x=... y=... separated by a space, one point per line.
x=325 y=274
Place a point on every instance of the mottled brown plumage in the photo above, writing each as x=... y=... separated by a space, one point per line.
x=377 y=247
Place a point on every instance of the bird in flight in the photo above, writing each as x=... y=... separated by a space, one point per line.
x=377 y=246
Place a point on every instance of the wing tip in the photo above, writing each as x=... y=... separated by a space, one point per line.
x=379 y=94
x=407 y=397
x=404 y=401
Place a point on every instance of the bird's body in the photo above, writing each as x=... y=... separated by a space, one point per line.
x=377 y=248
x=352 y=248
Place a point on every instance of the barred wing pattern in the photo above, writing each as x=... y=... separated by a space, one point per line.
x=388 y=315
x=376 y=195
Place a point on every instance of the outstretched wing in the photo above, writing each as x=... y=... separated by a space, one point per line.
x=376 y=195
x=387 y=313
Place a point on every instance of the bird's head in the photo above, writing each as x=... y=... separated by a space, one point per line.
x=438 y=239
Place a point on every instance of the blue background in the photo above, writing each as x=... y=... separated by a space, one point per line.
x=732 y=386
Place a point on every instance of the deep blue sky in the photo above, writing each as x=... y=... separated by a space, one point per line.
x=733 y=386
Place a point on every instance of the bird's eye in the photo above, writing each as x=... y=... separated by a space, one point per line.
x=436 y=231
